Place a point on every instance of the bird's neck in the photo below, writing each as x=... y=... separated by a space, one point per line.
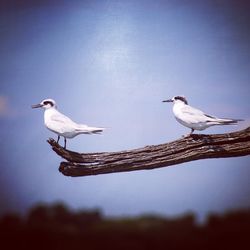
x=51 y=108
x=50 y=111
x=178 y=105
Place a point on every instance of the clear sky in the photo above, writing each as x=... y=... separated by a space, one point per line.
x=111 y=63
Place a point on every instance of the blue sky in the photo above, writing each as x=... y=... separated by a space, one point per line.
x=111 y=63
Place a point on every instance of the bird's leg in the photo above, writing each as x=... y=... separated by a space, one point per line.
x=58 y=138
x=192 y=130
x=64 y=143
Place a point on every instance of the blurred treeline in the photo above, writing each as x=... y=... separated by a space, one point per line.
x=57 y=227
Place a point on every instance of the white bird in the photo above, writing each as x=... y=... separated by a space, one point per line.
x=61 y=124
x=194 y=118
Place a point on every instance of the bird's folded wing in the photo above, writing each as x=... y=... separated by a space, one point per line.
x=62 y=123
x=193 y=115
x=62 y=119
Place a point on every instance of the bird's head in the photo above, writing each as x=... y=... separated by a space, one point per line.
x=46 y=104
x=176 y=99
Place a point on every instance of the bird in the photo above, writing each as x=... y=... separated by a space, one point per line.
x=61 y=124
x=194 y=118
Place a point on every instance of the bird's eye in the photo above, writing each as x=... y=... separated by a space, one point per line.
x=48 y=102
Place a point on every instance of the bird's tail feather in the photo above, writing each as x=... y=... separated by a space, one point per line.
x=97 y=130
x=84 y=129
x=226 y=121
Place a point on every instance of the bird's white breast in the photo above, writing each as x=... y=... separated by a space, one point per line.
x=48 y=120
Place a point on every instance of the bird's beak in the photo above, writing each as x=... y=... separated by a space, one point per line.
x=169 y=100
x=37 y=106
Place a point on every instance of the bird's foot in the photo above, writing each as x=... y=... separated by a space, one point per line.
x=187 y=135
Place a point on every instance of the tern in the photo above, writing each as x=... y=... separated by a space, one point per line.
x=194 y=118
x=61 y=124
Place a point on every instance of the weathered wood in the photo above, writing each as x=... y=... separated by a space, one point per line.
x=195 y=147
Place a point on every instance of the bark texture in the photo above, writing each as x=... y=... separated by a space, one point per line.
x=194 y=147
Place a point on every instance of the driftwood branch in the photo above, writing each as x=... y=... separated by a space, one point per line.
x=187 y=149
